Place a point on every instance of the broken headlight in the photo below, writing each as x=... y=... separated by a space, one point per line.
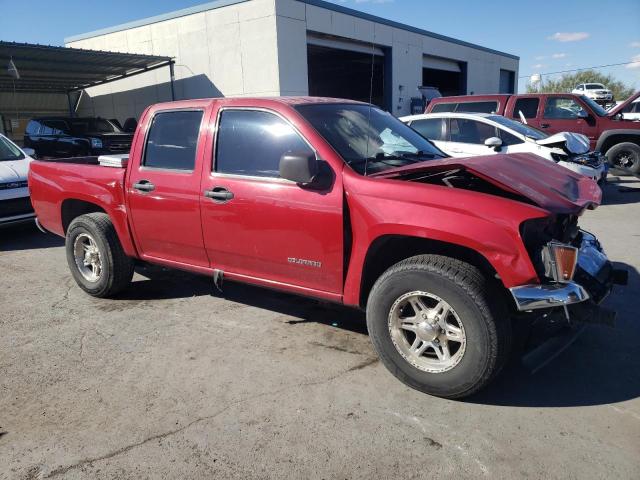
x=560 y=261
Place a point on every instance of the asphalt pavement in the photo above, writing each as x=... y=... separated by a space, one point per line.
x=174 y=379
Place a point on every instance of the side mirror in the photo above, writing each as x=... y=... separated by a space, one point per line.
x=582 y=114
x=299 y=167
x=29 y=152
x=493 y=142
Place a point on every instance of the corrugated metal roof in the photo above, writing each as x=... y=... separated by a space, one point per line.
x=49 y=69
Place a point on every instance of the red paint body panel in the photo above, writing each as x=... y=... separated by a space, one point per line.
x=51 y=183
x=254 y=237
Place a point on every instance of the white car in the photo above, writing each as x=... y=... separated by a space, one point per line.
x=15 y=205
x=473 y=134
x=632 y=111
x=594 y=91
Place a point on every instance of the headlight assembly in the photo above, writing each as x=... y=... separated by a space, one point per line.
x=559 y=261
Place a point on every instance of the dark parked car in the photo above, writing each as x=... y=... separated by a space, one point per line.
x=71 y=137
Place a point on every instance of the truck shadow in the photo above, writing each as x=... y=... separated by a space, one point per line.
x=601 y=367
x=27 y=237
x=161 y=283
x=621 y=190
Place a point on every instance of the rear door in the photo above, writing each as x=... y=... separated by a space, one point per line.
x=163 y=187
x=432 y=129
x=260 y=226
x=528 y=106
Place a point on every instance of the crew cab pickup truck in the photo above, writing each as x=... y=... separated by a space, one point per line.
x=608 y=131
x=340 y=201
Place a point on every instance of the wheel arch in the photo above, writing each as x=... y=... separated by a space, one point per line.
x=72 y=208
x=612 y=137
x=387 y=250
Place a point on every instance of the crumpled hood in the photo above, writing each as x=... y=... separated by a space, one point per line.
x=544 y=183
x=575 y=143
x=618 y=108
x=14 y=170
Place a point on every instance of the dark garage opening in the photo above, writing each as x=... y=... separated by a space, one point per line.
x=447 y=82
x=346 y=74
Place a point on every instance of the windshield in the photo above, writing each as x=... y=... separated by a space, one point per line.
x=367 y=138
x=80 y=126
x=601 y=112
x=595 y=86
x=521 y=128
x=8 y=151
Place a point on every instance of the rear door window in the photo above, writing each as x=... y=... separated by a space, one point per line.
x=33 y=128
x=528 y=107
x=431 y=128
x=172 y=140
x=54 y=127
x=462 y=130
x=444 y=107
x=478 y=107
x=251 y=143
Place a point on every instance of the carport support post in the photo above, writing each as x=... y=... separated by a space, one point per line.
x=172 y=78
x=71 y=109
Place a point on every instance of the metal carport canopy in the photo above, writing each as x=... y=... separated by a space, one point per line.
x=51 y=69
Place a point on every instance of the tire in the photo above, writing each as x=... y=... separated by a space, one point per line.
x=476 y=306
x=110 y=270
x=626 y=156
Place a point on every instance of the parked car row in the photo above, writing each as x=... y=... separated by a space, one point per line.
x=608 y=132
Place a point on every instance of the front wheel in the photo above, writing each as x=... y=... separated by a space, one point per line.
x=625 y=155
x=95 y=256
x=438 y=326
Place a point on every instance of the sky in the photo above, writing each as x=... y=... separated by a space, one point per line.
x=547 y=36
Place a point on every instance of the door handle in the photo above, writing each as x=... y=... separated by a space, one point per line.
x=544 y=125
x=144 y=186
x=219 y=194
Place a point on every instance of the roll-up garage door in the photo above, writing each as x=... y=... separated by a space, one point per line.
x=446 y=74
x=341 y=68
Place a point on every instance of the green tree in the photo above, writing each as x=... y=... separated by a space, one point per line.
x=568 y=82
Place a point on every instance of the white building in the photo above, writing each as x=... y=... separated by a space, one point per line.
x=290 y=47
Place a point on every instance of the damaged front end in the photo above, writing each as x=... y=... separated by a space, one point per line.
x=573 y=148
x=576 y=276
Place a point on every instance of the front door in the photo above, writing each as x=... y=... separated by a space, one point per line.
x=259 y=225
x=466 y=137
x=164 y=189
x=565 y=114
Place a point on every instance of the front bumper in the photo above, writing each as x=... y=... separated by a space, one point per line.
x=594 y=279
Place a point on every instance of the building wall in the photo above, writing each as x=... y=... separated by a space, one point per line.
x=259 y=47
x=228 y=51
x=295 y=19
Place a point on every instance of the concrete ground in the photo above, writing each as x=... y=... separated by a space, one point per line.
x=174 y=380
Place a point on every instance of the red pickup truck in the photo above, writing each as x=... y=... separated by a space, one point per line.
x=340 y=201
x=618 y=138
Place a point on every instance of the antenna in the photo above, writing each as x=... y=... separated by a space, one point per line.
x=366 y=160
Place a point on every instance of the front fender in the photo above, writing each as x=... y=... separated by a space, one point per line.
x=486 y=224
x=620 y=131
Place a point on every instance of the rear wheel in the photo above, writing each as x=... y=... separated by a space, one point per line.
x=95 y=256
x=625 y=155
x=438 y=325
